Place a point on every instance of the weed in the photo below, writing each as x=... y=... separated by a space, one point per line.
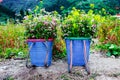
x=12 y=40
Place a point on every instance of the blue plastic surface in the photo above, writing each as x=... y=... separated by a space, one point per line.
x=38 y=53
x=77 y=51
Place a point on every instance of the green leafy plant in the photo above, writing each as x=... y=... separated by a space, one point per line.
x=79 y=24
x=9 y=78
x=110 y=49
x=15 y=53
x=42 y=25
x=113 y=50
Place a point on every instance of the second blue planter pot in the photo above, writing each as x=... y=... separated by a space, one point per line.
x=78 y=49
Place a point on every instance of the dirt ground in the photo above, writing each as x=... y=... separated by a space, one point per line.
x=101 y=67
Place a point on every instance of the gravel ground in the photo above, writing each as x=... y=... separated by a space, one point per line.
x=101 y=67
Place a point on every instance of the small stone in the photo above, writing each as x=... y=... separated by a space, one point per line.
x=119 y=57
x=21 y=65
x=5 y=67
x=113 y=56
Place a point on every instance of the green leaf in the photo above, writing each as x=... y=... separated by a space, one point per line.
x=112 y=46
x=108 y=54
x=115 y=53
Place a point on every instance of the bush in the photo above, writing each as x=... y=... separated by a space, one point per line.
x=80 y=24
x=11 y=36
x=41 y=25
x=109 y=30
x=108 y=35
x=59 y=50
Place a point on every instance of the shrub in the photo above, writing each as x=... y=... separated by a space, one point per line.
x=108 y=35
x=109 y=30
x=11 y=36
x=80 y=24
x=59 y=50
x=42 y=25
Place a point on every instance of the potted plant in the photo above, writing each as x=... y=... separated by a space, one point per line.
x=41 y=31
x=78 y=29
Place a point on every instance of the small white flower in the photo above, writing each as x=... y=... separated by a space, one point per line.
x=25 y=17
x=29 y=10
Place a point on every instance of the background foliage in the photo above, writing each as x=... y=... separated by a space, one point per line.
x=16 y=9
x=19 y=8
x=12 y=40
x=59 y=50
x=108 y=35
x=65 y=6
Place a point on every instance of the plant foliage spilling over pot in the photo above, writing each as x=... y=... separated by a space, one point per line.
x=78 y=27
x=41 y=25
x=80 y=24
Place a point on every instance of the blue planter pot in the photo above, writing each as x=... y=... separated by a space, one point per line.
x=38 y=52
x=77 y=50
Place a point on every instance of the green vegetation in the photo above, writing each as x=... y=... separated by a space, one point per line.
x=42 y=25
x=78 y=23
x=109 y=30
x=12 y=40
x=110 y=49
x=108 y=35
x=8 y=78
x=59 y=49
x=8 y=9
x=65 y=6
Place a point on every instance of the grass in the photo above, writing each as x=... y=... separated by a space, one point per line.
x=12 y=40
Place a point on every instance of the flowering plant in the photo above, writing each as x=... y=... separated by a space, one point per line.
x=79 y=24
x=42 y=25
